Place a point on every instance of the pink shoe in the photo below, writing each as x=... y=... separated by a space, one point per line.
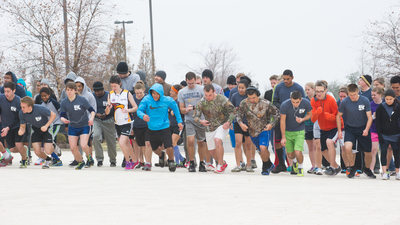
x=128 y=165
x=134 y=165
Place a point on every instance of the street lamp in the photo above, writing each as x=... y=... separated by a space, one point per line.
x=123 y=27
x=44 y=61
x=151 y=34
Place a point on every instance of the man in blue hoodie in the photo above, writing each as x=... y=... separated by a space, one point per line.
x=10 y=76
x=154 y=110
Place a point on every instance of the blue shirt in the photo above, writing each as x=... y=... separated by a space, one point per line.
x=38 y=117
x=77 y=111
x=9 y=111
x=101 y=104
x=355 y=111
x=282 y=93
x=291 y=114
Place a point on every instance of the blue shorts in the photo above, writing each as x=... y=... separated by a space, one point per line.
x=74 y=131
x=262 y=139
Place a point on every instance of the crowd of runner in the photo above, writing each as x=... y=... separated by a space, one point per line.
x=199 y=113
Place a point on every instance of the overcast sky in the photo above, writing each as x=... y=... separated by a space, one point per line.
x=315 y=39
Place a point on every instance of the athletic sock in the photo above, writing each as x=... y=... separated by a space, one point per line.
x=301 y=165
x=295 y=160
x=177 y=154
x=279 y=152
x=6 y=154
x=54 y=155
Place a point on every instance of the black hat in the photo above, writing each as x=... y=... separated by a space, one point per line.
x=97 y=86
x=161 y=74
x=231 y=80
x=184 y=83
x=208 y=73
x=122 y=68
x=367 y=79
x=390 y=92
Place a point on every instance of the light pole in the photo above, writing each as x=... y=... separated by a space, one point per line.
x=151 y=35
x=123 y=27
x=44 y=61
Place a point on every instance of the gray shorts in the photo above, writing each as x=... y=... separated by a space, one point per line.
x=317 y=130
x=196 y=130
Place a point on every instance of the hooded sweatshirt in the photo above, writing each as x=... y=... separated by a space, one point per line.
x=21 y=81
x=158 y=110
x=19 y=91
x=71 y=76
x=87 y=94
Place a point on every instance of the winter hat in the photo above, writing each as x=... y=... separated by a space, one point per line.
x=122 y=68
x=231 y=80
x=45 y=81
x=390 y=92
x=22 y=82
x=208 y=73
x=367 y=79
x=184 y=83
x=98 y=86
x=161 y=74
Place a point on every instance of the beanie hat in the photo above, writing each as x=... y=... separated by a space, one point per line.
x=45 y=81
x=184 y=83
x=367 y=79
x=208 y=73
x=97 y=86
x=122 y=68
x=161 y=74
x=231 y=80
x=390 y=92
x=288 y=72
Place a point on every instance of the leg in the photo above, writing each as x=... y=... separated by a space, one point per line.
x=238 y=149
x=38 y=150
x=318 y=153
x=374 y=150
x=248 y=150
x=73 y=144
x=109 y=135
x=190 y=147
x=348 y=146
x=331 y=153
x=97 y=139
x=311 y=151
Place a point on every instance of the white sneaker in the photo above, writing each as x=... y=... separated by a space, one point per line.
x=319 y=172
x=210 y=167
x=39 y=161
x=384 y=176
x=398 y=176
x=46 y=164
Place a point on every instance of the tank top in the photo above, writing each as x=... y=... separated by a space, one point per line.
x=119 y=102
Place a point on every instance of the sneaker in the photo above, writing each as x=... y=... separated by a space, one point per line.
x=46 y=164
x=243 y=166
x=57 y=162
x=343 y=171
x=376 y=171
x=147 y=167
x=267 y=171
x=39 y=162
x=73 y=163
x=348 y=172
x=319 y=171
x=135 y=165
x=29 y=160
x=330 y=171
x=91 y=162
x=87 y=164
x=57 y=150
x=172 y=167
x=161 y=160
x=219 y=169
x=279 y=168
x=289 y=168
x=202 y=167
x=182 y=163
x=392 y=173
x=301 y=172
x=141 y=164
x=224 y=166
x=352 y=172
x=292 y=170
x=123 y=164
x=295 y=167
x=249 y=169
x=253 y=164
x=5 y=162
x=359 y=172
x=398 y=176
x=337 y=170
x=311 y=170
x=384 y=176
x=128 y=165
x=369 y=173
x=80 y=165
x=99 y=163
x=192 y=167
x=188 y=163
x=236 y=169
x=113 y=164
x=210 y=167
x=23 y=165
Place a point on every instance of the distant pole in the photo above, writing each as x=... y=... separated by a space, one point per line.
x=44 y=61
x=66 y=37
x=123 y=28
x=151 y=36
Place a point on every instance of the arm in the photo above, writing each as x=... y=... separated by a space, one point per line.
x=274 y=115
x=133 y=103
x=339 y=124
x=307 y=117
x=92 y=114
x=334 y=109
x=177 y=113
x=141 y=109
x=21 y=130
x=109 y=106
x=369 y=123
x=51 y=120
x=283 y=129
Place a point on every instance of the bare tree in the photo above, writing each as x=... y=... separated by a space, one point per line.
x=146 y=64
x=220 y=59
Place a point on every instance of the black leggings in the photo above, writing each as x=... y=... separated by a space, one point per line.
x=396 y=153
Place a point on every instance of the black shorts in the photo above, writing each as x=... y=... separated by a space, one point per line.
x=277 y=132
x=12 y=137
x=142 y=135
x=123 y=129
x=40 y=136
x=159 y=137
x=330 y=134
x=238 y=130
x=355 y=133
x=174 y=129
x=27 y=134
x=309 y=135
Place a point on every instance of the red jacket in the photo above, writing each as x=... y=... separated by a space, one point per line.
x=325 y=112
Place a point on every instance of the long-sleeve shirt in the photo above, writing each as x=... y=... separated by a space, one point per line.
x=258 y=115
x=216 y=112
x=327 y=117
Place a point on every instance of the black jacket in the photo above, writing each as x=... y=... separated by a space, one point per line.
x=387 y=125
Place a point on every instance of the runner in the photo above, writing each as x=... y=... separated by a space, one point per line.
x=179 y=159
x=309 y=130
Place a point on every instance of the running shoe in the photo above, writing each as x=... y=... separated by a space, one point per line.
x=192 y=167
x=135 y=165
x=123 y=164
x=292 y=170
x=219 y=169
x=279 y=168
x=359 y=172
x=56 y=162
x=319 y=171
x=301 y=172
x=113 y=164
x=147 y=167
x=376 y=171
x=99 y=163
x=202 y=167
x=80 y=165
x=369 y=173
x=253 y=164
x=311 y=170
x=172 y=167
x=182 y=163
x=210 y=167
x=392 y=173
x=89 y=162
x=398 y=176
x=46 y=164
x=267 y=171
x=249 y=169
x=296 y=167
x=5 y=162
x=224 y=166
x=128 y=165
x=289 y=168
x=73 y=163
x=348 y=172
x=23 y=164
x=236 y=169
x=39 y=162
x=343 y=171
x=352 y=172
x=161 y=160
x=57 y=150
x=330 y=171
x=384 y=176
x=187 y=164
x=337 y=170
x=243 y=166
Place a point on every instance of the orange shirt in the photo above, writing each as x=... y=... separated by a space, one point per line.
x=327 y=117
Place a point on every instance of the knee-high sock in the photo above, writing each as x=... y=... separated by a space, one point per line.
x=54 y=155
x=177 y=154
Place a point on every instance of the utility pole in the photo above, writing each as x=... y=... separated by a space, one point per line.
x=151 y=36
x=44 y=61
x=66 y=37
x=123 y=27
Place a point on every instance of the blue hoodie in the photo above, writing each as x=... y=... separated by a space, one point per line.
x=158 y=110
x=19 y=91
x=21 y=81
